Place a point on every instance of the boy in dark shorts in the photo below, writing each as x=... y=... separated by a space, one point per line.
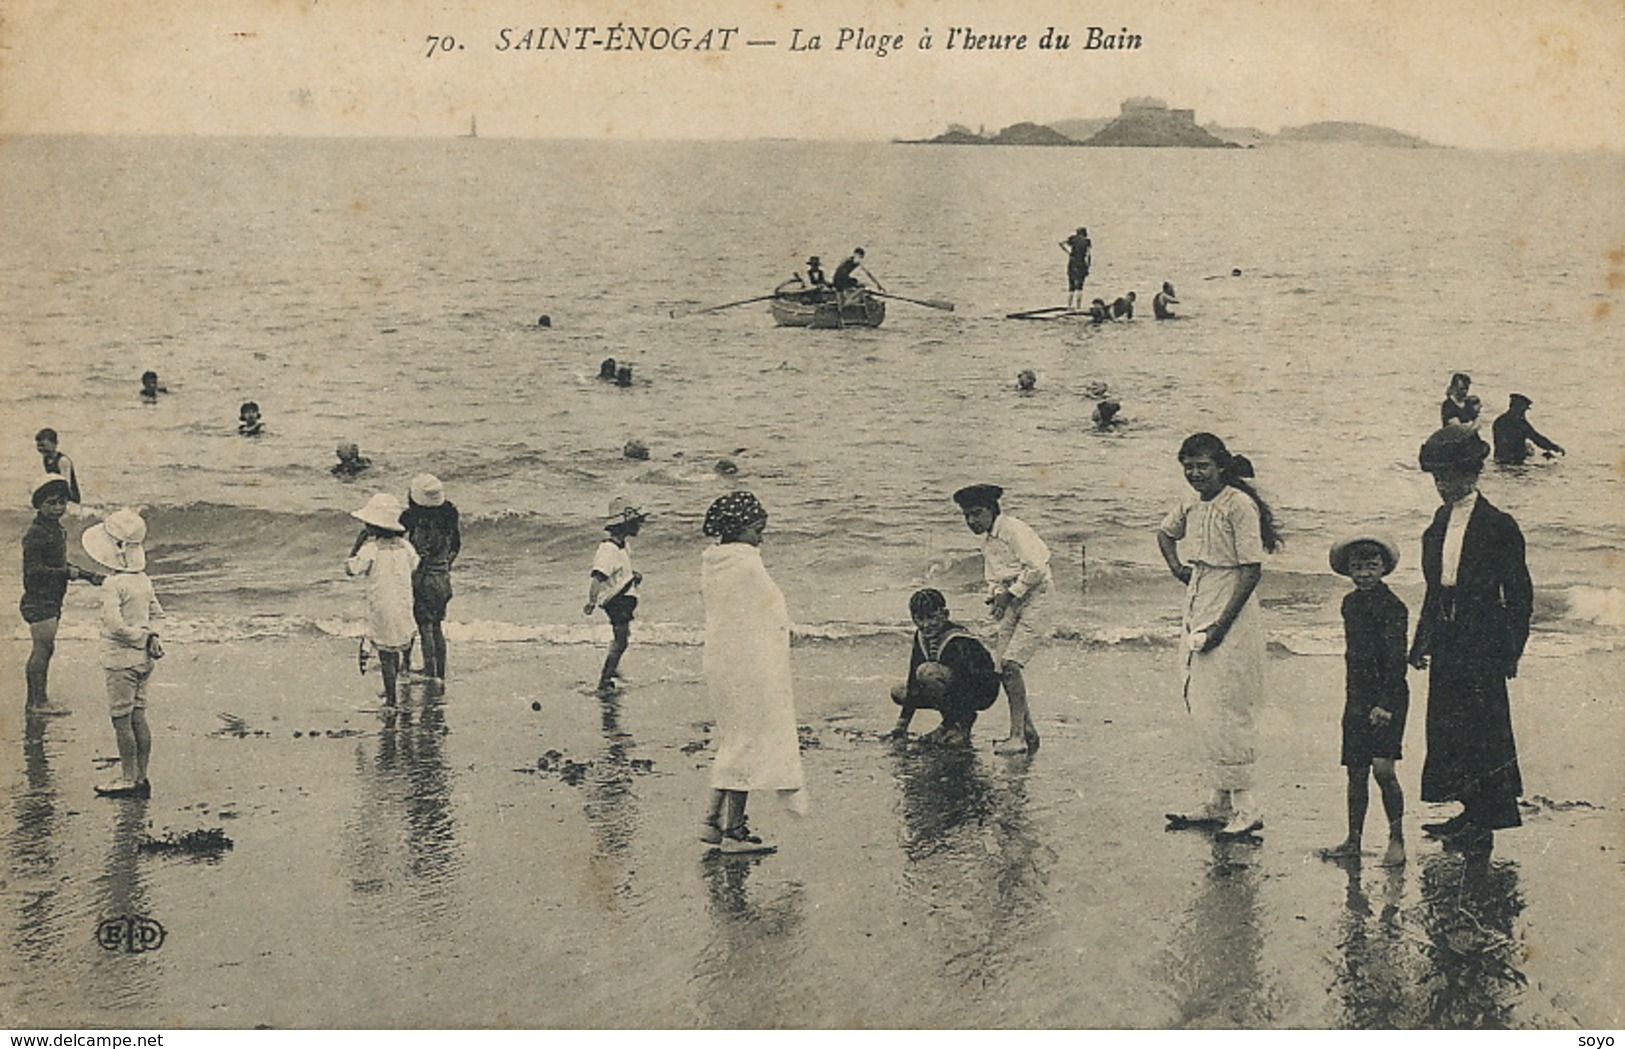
x=1374 y=626
x=948 y=671
x=614 y=585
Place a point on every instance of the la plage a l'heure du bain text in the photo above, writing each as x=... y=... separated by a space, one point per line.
x=621 y=38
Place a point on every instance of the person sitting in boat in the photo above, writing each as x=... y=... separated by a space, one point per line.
x=815 y=272
x=1160 y=301
x=1123 y=308
x=844 y=280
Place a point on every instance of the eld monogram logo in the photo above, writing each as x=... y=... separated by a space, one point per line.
x=130 y=935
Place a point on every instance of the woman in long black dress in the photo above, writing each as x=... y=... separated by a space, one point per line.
x=1472 y=628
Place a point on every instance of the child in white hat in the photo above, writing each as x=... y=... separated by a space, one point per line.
x=614 y=585
x=128 y=608
x=386 y=560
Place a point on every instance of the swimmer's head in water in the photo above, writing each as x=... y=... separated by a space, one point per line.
x=544 y=321
x=1026 y=379
x=348 y=450
x=1235 y=273
x=623 y=375
x=606 y=370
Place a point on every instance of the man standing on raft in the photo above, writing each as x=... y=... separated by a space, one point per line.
x=1077 y=267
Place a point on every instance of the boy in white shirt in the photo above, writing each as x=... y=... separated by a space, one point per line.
x=1015 y=563
x=614 y=585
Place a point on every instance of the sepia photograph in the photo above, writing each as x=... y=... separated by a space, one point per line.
x=703 y=515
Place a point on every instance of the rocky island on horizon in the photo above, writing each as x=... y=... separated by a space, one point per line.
x=1150 y=122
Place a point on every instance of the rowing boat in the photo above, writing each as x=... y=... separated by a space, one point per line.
x=826 y=308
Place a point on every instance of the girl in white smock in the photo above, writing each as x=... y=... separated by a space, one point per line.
x=1225 y=528
x=386 y=560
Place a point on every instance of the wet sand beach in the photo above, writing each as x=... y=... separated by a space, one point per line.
x=478 y=863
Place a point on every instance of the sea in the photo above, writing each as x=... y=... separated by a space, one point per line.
x=388 y=292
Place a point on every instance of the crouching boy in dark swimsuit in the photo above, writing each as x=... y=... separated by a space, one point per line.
x=949 y=671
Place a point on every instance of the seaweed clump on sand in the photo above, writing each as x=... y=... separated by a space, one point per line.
x=206 y=842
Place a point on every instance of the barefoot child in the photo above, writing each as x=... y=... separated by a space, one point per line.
x=614 y=585
x=46 y=574
x=948 y=670
x=1015 y=563
x=387 y=560
x=1374 y=631
x=128 y=608
x=432 y=527
x=1227 y=528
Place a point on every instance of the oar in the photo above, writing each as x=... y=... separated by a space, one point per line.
x=935 y=304
x=724 y=306
x=872 y=277
x=1027 y=315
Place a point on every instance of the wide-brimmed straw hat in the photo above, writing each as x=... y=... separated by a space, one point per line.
x=1452 y=446
x=42 y=486
x=117 y=541
x=426 y=490
x=623 y=511
x=1341 y=549
x=382 y=511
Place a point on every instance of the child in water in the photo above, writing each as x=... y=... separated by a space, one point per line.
x=1376 y=693
x=128 y=608
x=384 y=557
x=351 y=461
x=150 y=388
x=248 y=416
x=614 y=585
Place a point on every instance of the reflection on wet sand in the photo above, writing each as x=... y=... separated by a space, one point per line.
x=39 y=932
x=403 y=837
x=1473 y=975
x=1373 y=982
x=611 y=809
x=742 y=976
x=118 y=978
x=1215 y=976
x=975 y=865
x=34 y=853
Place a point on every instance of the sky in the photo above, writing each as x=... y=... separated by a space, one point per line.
x=1497 y=74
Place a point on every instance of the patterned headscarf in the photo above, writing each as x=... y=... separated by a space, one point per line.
x=731 y=513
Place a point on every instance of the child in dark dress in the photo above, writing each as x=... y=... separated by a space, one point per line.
x=1374 y=630
x=948 y=671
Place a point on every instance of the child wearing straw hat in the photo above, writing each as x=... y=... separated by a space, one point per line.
x=386 y=560
x=1375 y=622
x=614 y=585
x=128 y=609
